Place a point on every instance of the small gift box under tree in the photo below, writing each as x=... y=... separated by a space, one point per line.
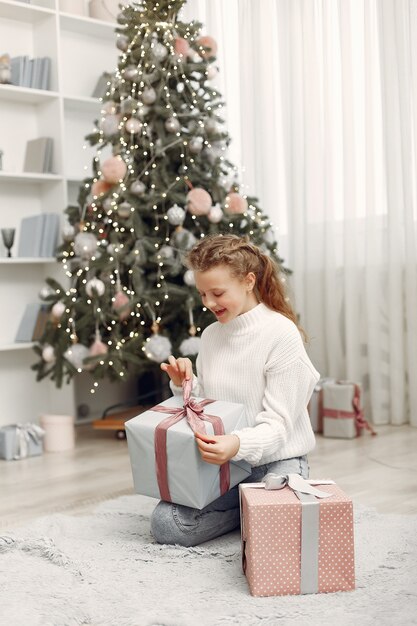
x=342 y=410
x=165 y=459
x=296 y=539
x=315 y=406
x=18 y=441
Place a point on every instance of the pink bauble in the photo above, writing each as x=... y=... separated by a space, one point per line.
x=207 y=42
x=235 y=203
x=198 y=201
x=113 y=169
x=98 y=347
x=120 y=301
x=181 y=46
x=100 y=187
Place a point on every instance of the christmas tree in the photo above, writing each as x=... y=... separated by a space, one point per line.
x=128 y=300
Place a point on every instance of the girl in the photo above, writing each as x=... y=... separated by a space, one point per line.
x=253 y=354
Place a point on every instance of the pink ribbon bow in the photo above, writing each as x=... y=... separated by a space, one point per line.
x=193 y=411
x=356 y=414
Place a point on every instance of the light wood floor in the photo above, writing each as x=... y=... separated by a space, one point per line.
x=376 y=471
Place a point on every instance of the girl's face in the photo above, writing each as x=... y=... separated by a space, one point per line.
x=224 y=294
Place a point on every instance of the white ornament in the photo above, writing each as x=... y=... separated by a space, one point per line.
x=48 y=354
x=76 y=355
x=131 y=72
x=133 y=125
x=149 y=95
x=138 y=188
x=159 y=51
x=172 y=125
x=110 y=125
x=45 y=292
x=124 y=209
x=190 y=346
x=122 y=42
x=166 y=252
x=95 y=287
x=68 y=232
x=143 y=111
x=158 y=348
x=176 y=215
x=195 y=145
x=212 y=72
x=210 y=125
x=58 y=310
x=215 y=215
x=183 y=239
x=189 y=278
x=108 y=203
x=85 y=244
x=109 y=107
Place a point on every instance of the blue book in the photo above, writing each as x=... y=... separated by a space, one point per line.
x=30 y=237
x=28 y=322
x=50 y=235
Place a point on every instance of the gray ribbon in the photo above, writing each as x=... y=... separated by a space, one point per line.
x=309 y=497
x=24 y=433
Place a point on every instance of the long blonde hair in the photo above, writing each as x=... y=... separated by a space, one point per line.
x=242 y=257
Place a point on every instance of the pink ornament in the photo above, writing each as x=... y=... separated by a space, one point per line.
x=98 y=347
x=207 y=42
x=100 y=187
x=120 y=301
x=198 y=201
x=181 y=46
x=113 y=169
x=235 y=203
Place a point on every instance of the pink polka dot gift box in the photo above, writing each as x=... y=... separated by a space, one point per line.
x=296 y=539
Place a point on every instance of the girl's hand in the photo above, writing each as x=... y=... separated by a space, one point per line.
x=217 y=449
x=178 y=369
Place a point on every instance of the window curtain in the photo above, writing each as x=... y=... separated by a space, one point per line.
x=321 y=105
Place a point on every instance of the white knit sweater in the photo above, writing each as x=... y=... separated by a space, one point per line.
x=258 y=359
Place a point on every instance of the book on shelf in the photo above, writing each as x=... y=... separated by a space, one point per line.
x=49 y=240
x=39 y=235
x=33 y=73
x=33 y=322
x=38 y=156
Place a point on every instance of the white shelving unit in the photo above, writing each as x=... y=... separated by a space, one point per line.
x=81 y=49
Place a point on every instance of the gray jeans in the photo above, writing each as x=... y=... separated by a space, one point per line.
x=183 y=525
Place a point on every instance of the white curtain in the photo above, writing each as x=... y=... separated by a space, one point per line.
x=321 y=104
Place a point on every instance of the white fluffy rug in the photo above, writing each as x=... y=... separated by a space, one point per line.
x=105 y=570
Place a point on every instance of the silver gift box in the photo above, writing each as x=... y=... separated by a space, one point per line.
x=192 y=481
x=9 y=444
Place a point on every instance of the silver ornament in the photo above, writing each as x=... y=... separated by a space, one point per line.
x=190 y=346
x=195 y=145
x=183 y=239
x=133 y=126
x=58 y=310
x=108 y=204
x=109 y=125
x=210 y=125
x=172 y=125
x=176 y=215
x=122 y=42
x=143 y=111
x=189 y=278
x=124 y=209
x=109 y=108
x=95 y=287
x=159 y=51
x=158 y=348
x=130 y=72
x=68 y=232
x=138 y=188
x=149 y=95
x=166 y=252
x=215 y=215
x=85 y=244
x=48 y=354
x=76 y=355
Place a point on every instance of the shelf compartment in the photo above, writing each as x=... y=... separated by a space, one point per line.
x=30 y=260
x=23 y=12
x=28 y=177
x=82 y=103
x=28 y=95
x=87 y=25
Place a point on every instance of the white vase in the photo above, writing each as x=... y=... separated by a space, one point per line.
x=59 y=432
x=73 y=6
x=106 y=10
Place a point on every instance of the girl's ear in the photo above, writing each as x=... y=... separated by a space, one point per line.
x=250 y=281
